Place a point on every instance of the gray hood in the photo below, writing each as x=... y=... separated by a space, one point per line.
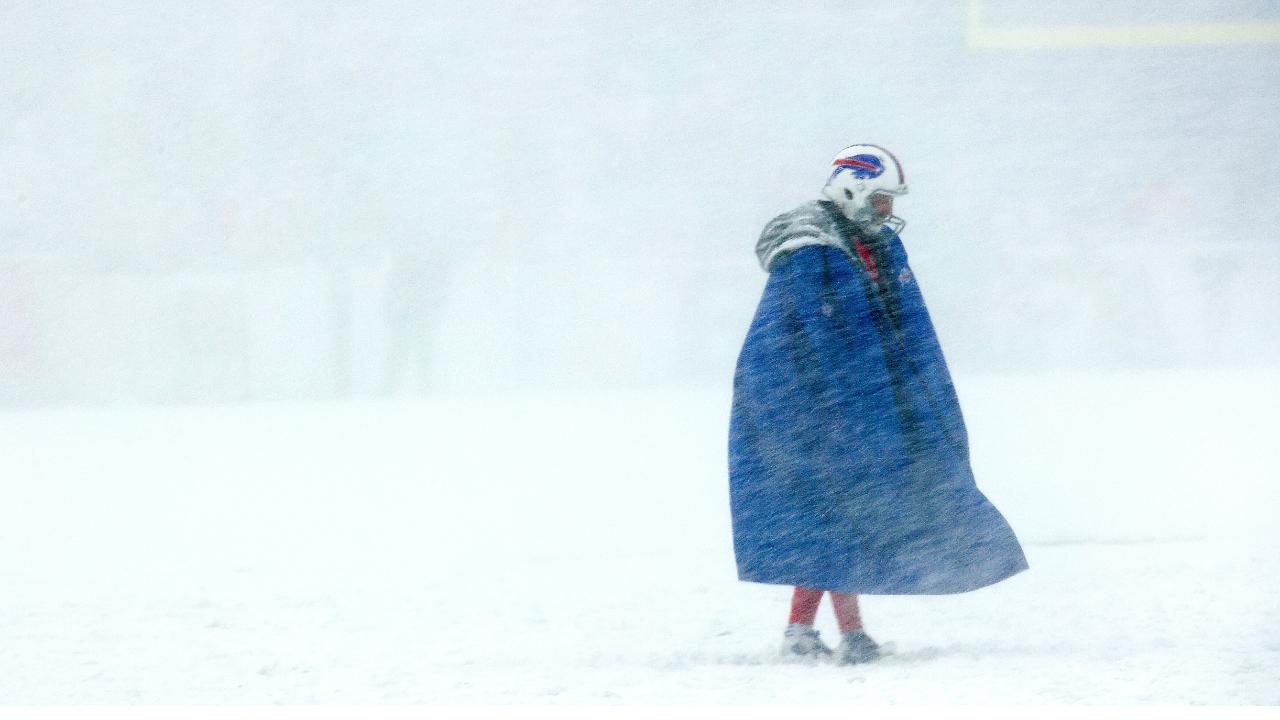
x=809 y=224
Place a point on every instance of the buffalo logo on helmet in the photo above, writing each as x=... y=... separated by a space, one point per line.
x=863 y=166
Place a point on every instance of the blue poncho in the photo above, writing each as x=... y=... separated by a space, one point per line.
x=848 y=456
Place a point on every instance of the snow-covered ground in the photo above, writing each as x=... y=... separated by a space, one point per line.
x=561 y=548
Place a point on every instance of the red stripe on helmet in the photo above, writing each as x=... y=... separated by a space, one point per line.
x=850 y=162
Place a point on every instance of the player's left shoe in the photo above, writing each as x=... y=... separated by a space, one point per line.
x=857 y=648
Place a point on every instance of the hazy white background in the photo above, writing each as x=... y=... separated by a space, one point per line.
x=329 y=328
x=202 y=202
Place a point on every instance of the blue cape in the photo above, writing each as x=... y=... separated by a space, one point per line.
x=848 y=455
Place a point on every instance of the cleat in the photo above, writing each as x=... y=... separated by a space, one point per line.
x=802 y=642
x=856 y=648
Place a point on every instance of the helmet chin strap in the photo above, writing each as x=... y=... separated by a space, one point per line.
x=863 y=217
x=871 y=223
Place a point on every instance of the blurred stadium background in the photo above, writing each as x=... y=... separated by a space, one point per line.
x=300 y=201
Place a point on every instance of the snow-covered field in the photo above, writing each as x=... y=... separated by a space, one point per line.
x=562 y=548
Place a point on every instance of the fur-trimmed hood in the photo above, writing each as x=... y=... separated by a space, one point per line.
x=818 y=222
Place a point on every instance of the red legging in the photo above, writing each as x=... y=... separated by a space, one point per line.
x=804 y=608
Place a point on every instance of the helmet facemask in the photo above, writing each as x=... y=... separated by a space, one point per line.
x=880 y=204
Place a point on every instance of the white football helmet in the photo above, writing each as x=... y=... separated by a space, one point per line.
x=860 y=172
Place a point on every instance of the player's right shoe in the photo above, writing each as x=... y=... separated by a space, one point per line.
x=802 y=643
